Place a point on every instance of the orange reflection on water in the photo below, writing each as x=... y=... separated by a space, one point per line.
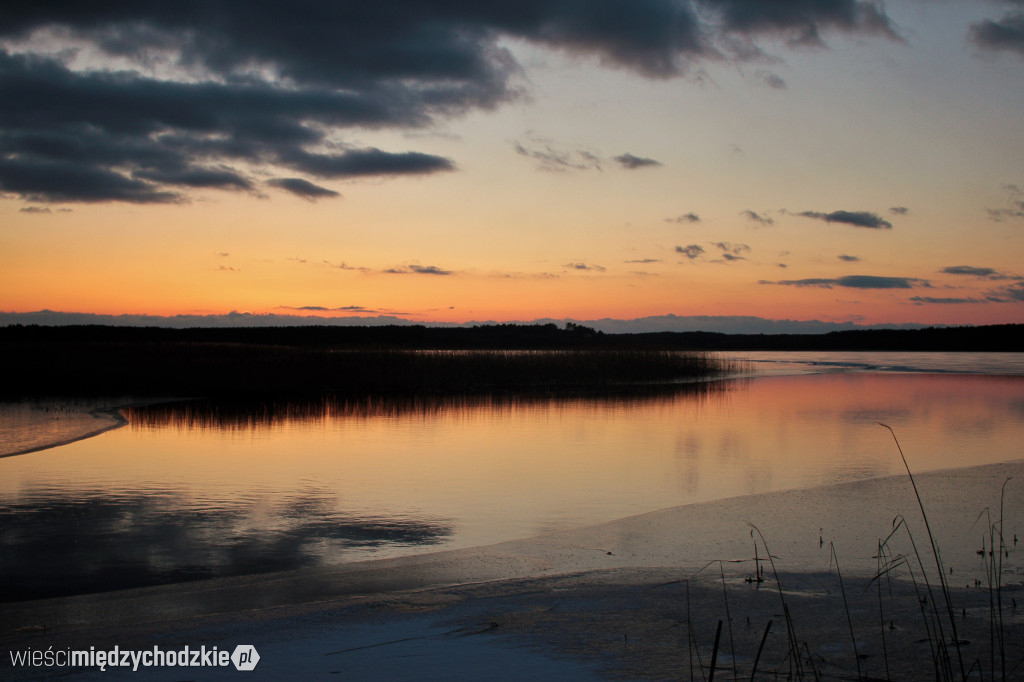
x=490 y=469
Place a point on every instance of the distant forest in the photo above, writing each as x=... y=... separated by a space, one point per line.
x=407 y=361
x=1005 y=338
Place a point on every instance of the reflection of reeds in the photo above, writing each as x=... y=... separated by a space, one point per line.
x=243 y=414
x=223 y=369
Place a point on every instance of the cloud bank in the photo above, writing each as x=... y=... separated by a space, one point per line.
x=1006 y=33
x=727 y=324
x=147 y=102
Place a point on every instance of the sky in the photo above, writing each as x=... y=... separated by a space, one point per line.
x=834 y=161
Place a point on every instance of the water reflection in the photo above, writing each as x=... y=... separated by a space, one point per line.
x=56 y=545
x=198 y=489
x=245 y=415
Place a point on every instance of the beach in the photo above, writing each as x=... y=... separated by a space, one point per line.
x=30 y=426
x=636 y=598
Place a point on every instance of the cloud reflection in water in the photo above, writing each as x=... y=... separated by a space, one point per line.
x=54 y=545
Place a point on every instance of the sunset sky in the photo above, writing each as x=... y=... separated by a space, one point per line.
x=450 y=161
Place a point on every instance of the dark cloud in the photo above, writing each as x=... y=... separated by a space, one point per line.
x=341 y=309
x=341 y=266
x=1010 y=293
x=732 y=252
x=35 y=209
x=633 y=162
x=1013 y=292
x=585 y=266
x=1000 y=214
x=691 y=251
x=553 y=159
x=1006 y=33
x=1014 y=207
x=197 y=177
x=899 y=210
x=55 y=181
x=684 y=218
x=269 y=84
x=96 y=136
x=923 y=300
x=855 y=218
x=849 y=259
x=803 y=20
x=644 y=261
x=363 y=162
x=758 y=218
x=429 y=270
x=437 y=43
x=773 y=81
x=856 y=282
x=302 y=188
x=418 y=270
x=969 y=270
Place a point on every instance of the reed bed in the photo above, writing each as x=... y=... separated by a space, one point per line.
x=924 y=629
x=227 y=369
x=244 y=413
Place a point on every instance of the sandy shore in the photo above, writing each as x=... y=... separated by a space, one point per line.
x=638 y=598
x=30 y=426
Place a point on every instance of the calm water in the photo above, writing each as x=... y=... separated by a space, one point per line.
x=198 y=490
x=800 y=362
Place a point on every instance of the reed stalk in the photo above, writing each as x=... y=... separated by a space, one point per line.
x=834 y=560
x=935 y=553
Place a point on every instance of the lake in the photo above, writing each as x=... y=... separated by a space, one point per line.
x=196 y=490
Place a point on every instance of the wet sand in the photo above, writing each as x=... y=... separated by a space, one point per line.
x=31 y=426
x=638 y=598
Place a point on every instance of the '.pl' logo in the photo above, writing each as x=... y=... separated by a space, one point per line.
x=245 y=657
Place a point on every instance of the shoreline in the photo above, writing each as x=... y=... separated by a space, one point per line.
x=114 y=413
x=581 y=591
x=100 y=408
x=686 y=536
x=35 y=425
x=73 y=419
x=638 y=596
x=762 y=501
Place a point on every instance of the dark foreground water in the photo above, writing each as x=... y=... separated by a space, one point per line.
x=198 y=490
